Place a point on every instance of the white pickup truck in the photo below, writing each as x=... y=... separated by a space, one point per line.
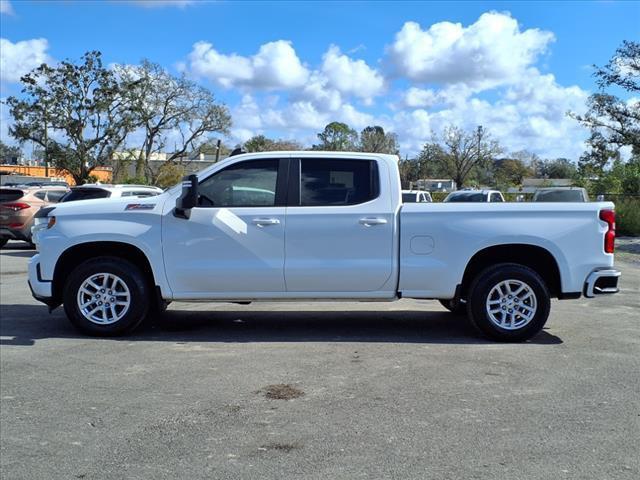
x=317 y=226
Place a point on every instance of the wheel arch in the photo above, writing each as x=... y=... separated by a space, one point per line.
x=76 y=254
x=538 y=258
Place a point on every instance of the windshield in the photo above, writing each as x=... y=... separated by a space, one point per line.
x=559 y=196
x=409 y=197
x=466 y=197
x=85 y=194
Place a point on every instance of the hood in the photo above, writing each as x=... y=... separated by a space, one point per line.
x=110 y=206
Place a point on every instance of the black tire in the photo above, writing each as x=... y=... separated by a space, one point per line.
x=3 y=242
x=481 y=288
x=139 y=290
x=455 y=306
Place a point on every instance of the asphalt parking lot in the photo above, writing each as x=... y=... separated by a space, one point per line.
x=320 y=391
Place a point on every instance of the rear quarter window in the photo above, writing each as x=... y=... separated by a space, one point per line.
x=10 y=194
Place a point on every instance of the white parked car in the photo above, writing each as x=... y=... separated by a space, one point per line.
x=416 y=196
x=91 y=191
x=488 y=196
x=317 y=226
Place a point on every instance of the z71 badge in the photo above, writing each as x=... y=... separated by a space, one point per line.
x=140 y=206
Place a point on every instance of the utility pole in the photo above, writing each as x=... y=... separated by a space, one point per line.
x=46 y=143
x=218 y=143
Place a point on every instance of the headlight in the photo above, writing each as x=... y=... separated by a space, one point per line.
x=42 y=220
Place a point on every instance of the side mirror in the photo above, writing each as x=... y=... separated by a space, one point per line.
x=189 y=197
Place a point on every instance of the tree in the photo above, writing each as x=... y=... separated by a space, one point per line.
x=8 y=153
x=169 y=174
x=558 y=168
x=374 y=139
x=337 y=136
x=465 y=152
x=172 y=112
x=260 y=143
x=613 y=122
x=510 y=171
x=75 y=111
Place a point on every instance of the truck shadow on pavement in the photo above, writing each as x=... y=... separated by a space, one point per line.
x=25 y=324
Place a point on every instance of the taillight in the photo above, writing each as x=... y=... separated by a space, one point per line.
x=15 y=206
x=609 y=216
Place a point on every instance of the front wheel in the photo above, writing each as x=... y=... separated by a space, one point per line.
x=509 y=303
x=106 y=296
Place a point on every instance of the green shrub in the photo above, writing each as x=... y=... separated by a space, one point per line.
x=628 y=216
x=135 y=181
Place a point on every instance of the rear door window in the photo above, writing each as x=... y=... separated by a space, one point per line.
x=328 y=182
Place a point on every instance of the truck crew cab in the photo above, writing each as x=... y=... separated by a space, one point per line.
x=315 y=225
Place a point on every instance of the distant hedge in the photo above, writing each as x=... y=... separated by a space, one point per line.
x=628 y=216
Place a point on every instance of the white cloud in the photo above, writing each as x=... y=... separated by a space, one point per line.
x=350 y=76
x=490 y=52
x=439 y=75
x=6 y=8
x=318 y=92
x=275 y=66
x=530 y=114
x=17 y=59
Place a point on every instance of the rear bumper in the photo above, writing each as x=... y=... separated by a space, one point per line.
x=12 y=234
x=601 y=282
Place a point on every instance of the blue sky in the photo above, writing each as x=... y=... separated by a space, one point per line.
x=287 y=68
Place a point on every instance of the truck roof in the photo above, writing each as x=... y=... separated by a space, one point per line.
x=316 y=154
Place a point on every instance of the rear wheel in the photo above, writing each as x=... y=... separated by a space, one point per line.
x=509 y=303
x=106 y=296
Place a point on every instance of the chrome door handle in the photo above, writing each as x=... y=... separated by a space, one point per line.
x=368 y=222
x=262 y=222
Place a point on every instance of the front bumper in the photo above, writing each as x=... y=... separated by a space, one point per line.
x=601 y=282
x=40 y=288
